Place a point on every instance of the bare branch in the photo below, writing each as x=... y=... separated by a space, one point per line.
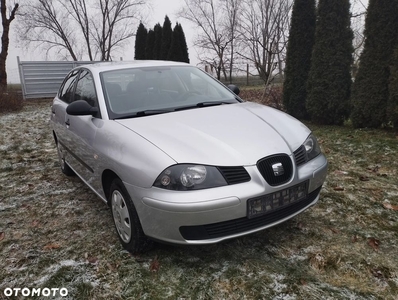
x=263 y=32
x=81 y=26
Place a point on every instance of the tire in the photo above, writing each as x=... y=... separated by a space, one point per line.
x=64 y=166
x=126 y=220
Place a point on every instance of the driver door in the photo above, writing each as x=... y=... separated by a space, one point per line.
x=82 y=129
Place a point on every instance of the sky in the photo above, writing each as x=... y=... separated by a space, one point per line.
x=160 y=8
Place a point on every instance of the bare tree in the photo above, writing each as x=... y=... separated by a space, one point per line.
x=232 y=10
x=77 y=9
x=213 y=37
x=5 y=39
x=264 y=30
x=80 y=28
x=45 y=23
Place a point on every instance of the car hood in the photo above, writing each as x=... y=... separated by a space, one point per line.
x=225 y=135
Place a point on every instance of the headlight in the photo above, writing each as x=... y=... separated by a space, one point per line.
x=311 y=147
x=189 y=177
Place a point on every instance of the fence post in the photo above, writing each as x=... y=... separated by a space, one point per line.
x=21 y=78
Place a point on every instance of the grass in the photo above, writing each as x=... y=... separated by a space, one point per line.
x=55 y=232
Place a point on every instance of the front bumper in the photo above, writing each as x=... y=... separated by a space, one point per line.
x=213 y=215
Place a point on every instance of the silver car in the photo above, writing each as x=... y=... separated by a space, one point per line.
x=179 y=157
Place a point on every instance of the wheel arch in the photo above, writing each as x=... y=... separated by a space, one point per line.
x=106 y=179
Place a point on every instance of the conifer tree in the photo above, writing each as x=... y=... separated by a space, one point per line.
x=298 y=60
x=150 y=44
x=140 y=42
x=167 y=35
x=329 y=82
x=158 y=41
x=392 y=107
x=183 y=44
x=371 y=87
x=178 y=49
x=175 y=51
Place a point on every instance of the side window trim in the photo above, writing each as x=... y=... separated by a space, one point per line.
x=74 y=85
x=81 y=71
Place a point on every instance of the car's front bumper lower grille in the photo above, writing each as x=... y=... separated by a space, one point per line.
x=231 y=227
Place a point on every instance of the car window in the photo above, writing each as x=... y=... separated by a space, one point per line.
x=85 y=89
x=201 y=86
x=129 y=91
x=67 y=87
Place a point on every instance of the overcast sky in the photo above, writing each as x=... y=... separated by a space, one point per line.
x=160 y=8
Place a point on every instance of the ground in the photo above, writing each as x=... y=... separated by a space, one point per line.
x=55 y=232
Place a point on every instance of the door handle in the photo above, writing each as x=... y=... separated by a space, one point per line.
x=67 y=122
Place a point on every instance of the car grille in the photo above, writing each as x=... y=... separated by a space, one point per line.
x=234 y=175
x=226 y=228
x=300 y=156
x=265 y=166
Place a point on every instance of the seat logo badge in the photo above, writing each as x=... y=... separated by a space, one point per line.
x=278 y=169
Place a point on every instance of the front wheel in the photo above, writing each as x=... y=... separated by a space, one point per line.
x=125 y=218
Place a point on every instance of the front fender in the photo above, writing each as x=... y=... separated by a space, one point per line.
x=133 y=158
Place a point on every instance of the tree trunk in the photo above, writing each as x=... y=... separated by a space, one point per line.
x=5 y=40
x=232 y=61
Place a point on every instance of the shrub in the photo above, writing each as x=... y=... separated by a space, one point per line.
x=392 y=108
x=371 y=87
x=10 y=100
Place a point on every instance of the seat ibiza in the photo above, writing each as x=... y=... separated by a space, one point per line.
x=178 y=156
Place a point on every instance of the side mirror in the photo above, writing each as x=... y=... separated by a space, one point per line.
x=81 y=108
x=234 y=88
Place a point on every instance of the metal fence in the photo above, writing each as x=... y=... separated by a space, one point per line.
x=42 y=79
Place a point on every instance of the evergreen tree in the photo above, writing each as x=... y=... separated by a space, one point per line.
x=167 y=35
x=329 y=82
x=158 y=42
x=178 y=49
x=298 y=60
x=175 y=52
x=371 y=86
x=140 y=42
x=183 y=45
x=150 y=44
x=392 y=107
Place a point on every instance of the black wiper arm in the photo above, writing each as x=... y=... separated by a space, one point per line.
x=205 y=104
x=213 y=103
x=147 y=112
x=150 y=112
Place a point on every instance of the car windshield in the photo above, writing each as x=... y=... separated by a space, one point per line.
x=138 y=92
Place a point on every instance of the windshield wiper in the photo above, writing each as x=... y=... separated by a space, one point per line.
x=205 y=104
x=147 y=112
x=150 y=112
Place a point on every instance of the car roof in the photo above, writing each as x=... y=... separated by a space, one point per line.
x=117 y=65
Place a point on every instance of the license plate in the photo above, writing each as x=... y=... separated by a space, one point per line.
x=268 y=203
